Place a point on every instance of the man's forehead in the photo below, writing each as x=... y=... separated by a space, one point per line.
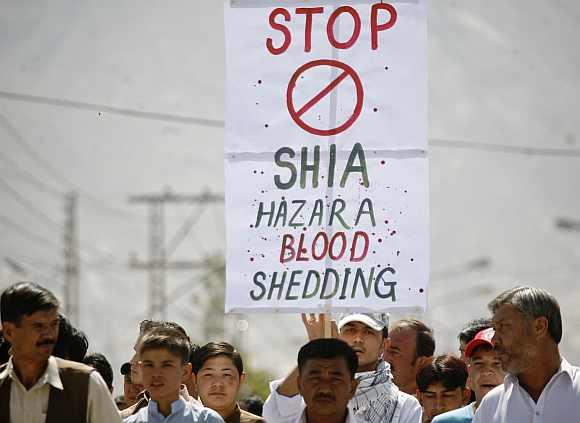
x=358 y=325
x=42 y=315
x=338 y=363
x=439 y=387
x=505 y=311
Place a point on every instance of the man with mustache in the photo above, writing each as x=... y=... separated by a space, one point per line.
x=326 y=369
x=376 y=400
x=219 y=371
x=34 y=386
x=541 y=386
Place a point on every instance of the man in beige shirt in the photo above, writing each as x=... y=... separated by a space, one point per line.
x=34 y=386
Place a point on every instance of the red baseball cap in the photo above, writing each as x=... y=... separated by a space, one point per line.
x=482 y=338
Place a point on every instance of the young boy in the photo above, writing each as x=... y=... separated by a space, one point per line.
x=220 y=373
x=441 y=386
x=164 y=365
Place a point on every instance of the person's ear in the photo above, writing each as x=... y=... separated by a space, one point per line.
x=299 y=382
x=8 y=329
x=540 y=326
x=242 y=378
x=465 y=396
x=186 y=372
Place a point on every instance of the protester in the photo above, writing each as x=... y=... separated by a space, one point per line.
x=130 y=390
x=100 y=363
x=485 y=372
x=219 y=372
x=326 y=381
x=164 y=365
x=441 y=386
x=143 y=397
x=36 y=386
x=72 y=344
x=376 y=398
x=471 y=328
x=252 y=404
x=541 y=385
x=410 y=347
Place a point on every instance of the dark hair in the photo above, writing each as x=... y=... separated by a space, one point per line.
x=168 y=339
x=4 y=349
x=148 y=325
x=328 y=348
x=71 y=344
x=100 y=363
x=472 y=328
x=425 y=343
x=532 y=303
x=253 y=404
x=446 y=369
x=214 y=349
x=23 y=299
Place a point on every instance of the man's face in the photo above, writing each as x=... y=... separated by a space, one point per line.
x=437 y=400
x=218 y=383
x=513 y=340
x=162 y=373
x=485 y=371
x=401 y=355
x=130 y=390
x=366 y=343
x=326 y=386
x=33 y=338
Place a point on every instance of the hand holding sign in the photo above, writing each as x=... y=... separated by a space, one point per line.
x=315 y=327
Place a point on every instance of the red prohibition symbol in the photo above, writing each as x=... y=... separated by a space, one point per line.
x=347 y=72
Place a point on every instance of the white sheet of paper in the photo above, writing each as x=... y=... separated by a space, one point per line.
x=280 y=105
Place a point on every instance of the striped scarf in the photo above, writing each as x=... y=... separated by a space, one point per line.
x=375 y=399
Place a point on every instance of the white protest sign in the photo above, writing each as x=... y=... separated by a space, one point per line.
x=325 y=155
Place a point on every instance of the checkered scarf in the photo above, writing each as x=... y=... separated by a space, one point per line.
x=376 y=396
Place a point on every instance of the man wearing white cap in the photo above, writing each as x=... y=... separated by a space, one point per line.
x=377 y=398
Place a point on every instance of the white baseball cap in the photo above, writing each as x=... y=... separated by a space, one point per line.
x=375 y=321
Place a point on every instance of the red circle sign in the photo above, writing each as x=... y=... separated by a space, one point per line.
x=347 y=71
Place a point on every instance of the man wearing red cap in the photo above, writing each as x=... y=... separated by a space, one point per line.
x=485 y=373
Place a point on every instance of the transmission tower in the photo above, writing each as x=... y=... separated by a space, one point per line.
x=158 y=263
x=71 y=259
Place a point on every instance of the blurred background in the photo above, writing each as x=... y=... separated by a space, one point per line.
x=111 y=166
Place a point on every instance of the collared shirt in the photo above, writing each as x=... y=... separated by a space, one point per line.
x=31 y=405
x=461 y=415
x=181 y=411
x=559 y=402
x=243 y=416
x=281 y=409
x=350 y=417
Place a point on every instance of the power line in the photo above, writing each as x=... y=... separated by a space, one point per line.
x=29 y=205
x=25 y=232
x=79 y=105
x=19 y=139
x=502 y=148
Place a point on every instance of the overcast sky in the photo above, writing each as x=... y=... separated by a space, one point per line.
x=504 y=95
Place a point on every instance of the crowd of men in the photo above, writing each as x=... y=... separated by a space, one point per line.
x=509 y=369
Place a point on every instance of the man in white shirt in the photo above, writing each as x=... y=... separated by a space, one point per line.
x=326 y=369
x=36 y=387
x=376 y=400
x=541 y=386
